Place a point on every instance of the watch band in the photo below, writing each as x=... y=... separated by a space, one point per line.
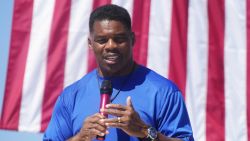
x=152 y=135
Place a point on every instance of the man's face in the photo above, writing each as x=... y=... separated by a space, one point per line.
x=112 y=45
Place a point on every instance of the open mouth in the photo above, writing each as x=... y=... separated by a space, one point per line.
x=112 y=59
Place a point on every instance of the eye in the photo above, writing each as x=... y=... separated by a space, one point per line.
x=120 y=39
x=101 y=40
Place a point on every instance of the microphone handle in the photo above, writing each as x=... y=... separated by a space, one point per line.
x=105 y=99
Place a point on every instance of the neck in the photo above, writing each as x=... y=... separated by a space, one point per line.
x=130 y=67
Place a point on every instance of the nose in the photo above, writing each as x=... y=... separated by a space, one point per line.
x=111 y=44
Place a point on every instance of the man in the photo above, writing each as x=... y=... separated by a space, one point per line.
x=144 y=105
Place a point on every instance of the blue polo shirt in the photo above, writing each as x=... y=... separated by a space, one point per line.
x=156 y=99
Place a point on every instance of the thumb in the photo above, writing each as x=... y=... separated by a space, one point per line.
x=129 y=102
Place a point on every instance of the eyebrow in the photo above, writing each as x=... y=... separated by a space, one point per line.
x=119 y=34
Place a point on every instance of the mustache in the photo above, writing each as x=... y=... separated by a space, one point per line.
x=111 y=54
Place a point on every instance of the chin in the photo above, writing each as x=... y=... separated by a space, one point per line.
x=112 y=69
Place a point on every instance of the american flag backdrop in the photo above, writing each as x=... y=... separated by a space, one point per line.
x=201 y=45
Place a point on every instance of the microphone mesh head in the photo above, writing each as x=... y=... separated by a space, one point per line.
x=106 y=87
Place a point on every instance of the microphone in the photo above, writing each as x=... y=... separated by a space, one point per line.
x=106 y=92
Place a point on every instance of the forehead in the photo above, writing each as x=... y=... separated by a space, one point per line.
x=108 y=26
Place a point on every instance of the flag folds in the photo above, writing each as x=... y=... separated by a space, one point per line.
x=203 y=46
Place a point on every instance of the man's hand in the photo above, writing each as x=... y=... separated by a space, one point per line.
x=92 y=126
x=126 y=119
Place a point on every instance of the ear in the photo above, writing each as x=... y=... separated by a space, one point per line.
x=90 y=43
x=133 y=38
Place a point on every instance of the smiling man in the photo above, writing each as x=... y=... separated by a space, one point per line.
x=112 y=44
x=144 y=105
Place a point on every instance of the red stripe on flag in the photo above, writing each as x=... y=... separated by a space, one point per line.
x=215 y=118
x=140 y=23
x=178 y=44
x=248 y=69
x=20 y=38
x=98 y=3
x=91 y=56
x=56 y=59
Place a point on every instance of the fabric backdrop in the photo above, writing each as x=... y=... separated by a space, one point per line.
x=201 y=45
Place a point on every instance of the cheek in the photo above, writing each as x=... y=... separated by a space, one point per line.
x=128 y=51
x=97 y=50
x=126 y=48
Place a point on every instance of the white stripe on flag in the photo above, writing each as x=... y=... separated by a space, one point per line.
x=235 y=70
x=35 y=71
x=127 y=4
x=77 y=49
x=197 y=58
x=159 y=36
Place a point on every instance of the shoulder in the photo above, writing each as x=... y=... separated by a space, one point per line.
x=70 y=93
x=166 y=91
x=80 y=84
x=157 y=81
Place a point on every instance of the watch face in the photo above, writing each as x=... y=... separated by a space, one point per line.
x=152 y=133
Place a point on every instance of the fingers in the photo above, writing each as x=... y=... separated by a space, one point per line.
x=95 y=117
x=117 y=125
x=119 y=110
x=95 y=121
x=121 y=107
x=116 y=119
x=115 y=109
x=129 y=102
x=94 y=125
x=97 y=126
x=94 y=132
x=118 y=122
x=116 y=106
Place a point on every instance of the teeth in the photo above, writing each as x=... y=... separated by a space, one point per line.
x=112 y=57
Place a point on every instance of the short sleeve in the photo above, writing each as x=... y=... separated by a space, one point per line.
x=173 y=120
x=60 y=127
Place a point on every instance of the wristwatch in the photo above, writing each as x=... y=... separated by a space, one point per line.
x=152 y=134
